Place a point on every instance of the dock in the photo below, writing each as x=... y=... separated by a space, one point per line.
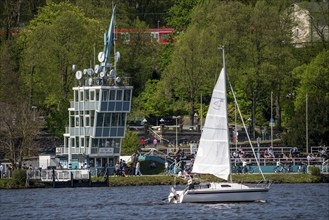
x=63 y=178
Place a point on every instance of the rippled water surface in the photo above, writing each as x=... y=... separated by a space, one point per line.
x=286 y=201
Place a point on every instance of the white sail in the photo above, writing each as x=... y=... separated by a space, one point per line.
x=213 y=156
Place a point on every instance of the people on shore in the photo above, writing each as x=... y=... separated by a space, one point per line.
x=309 y=158
x=117 y=168
x=142 y=143
x=166 y=167
x=153 y=165
x=155 y=142
x=265 y=155
x=294 y=152
x=137 y=169
x=1 y=170
x=271 y=153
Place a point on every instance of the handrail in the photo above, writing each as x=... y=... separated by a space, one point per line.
x=156 y=135
x=294 y=161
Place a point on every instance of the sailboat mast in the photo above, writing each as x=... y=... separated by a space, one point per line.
x=228 y=130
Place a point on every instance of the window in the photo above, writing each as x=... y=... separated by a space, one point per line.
x=66 y=142
x=95 y=143
x=97 y=95
x=104 y=95
x=100 y=120
x=112 y=95
x=114 y=119
x=92 y=95
x=72 y=141
x=81 y=121
x=87 y=120
x=126 y=95
x=92 y=116
x=82 y=142
x=119 y=95
x=87 y=141
x=121 y=119
x=76 y=142
x=76 y=121
x=81 y=95
x=72 y=121
x=76 y=95
x=87 y=95
x=107 y=120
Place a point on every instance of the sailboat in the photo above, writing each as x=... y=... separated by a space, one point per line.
x=213 y=157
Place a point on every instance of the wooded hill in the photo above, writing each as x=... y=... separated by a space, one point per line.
x=40 y=40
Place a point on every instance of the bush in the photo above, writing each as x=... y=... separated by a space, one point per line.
x=315 y=171
x=19 y=177
x=148 y=170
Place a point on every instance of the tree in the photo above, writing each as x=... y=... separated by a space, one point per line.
x=313 y=84
x=57 y=38
x=130 y=144
x=151 y=102
x=11 y=84
x=179 y=15
x=19 y=129
x=140 y=59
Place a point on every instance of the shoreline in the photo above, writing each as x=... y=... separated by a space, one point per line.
x=115 y=181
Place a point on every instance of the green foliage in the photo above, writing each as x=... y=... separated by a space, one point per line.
x=313 y=84
x=54 y=40
x=170 y=79
x=314 y=171
x=179 y=15
x=19 y=177
x=146 y=170
x=151 y=101
x=130 y=143
x=145 y=180
x=140 y=59
x=6 y=183
x=9 y=75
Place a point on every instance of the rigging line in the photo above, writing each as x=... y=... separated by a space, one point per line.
x=244 y=125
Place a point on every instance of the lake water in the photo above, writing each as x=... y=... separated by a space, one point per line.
x=286 y=201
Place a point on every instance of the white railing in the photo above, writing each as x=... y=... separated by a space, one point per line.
x=63 y=175
x=75 y=150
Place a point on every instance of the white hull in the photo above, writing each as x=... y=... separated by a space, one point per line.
x=220 y=192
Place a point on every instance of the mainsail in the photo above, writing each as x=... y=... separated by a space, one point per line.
x=213 y=155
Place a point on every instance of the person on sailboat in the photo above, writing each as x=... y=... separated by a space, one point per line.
x=190 y=183
x=244 y=166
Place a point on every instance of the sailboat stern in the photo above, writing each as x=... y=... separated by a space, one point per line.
x=176 y=196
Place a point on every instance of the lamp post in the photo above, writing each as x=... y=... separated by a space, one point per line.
x=145 y=126
x=34 y=108
x=195 y=120
x=176 y=117
x=249 y=121
x=161 y=129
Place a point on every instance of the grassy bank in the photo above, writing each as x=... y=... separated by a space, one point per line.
x=242 y=178
x=169 y=180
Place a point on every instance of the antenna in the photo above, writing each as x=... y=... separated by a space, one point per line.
x=103 y=58
x=112 y=73
x=97 y=68
x=90 y=71
x=78 y=75
x=90 y=81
